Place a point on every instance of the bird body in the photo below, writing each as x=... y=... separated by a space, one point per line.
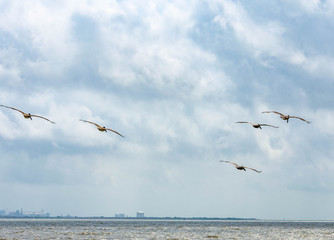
x=27 y=115
x=102 y=129
x=287 y=117
x=240 y=167
x=258 y=125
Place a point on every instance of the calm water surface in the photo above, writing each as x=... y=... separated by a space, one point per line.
x=152 y=229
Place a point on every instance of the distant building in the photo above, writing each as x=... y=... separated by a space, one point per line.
x=35 y=214
x=120 y=215
x=17 y=213
x=140 y=214
x=21 y=213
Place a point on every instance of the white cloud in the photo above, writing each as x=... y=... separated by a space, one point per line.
x=320 y=7
x=310 y=6
x=323 y=121
x=44 y=30
x=154 y=50
x=268 y=39
x=177 y=65
x=10 y=75
x=262 y=39
x=9 y=130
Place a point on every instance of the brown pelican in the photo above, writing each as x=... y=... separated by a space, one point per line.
x=258 y=125
x=27 y=115
x=286 y=117
x=239 y=167
x=102 y=129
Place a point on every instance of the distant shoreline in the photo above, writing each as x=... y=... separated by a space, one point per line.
x=157 y=219
x=134 y=218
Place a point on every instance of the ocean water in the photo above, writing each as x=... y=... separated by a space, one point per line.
x=162 y=229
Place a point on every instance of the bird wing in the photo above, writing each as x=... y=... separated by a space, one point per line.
x=253 y=169
x=13 y=109
x=263 y=124
x=230 y=162
x=300 y=119
x=273 y=112
x=42 y=117
x=245 y=122
x=114 y=132
x=90 y=122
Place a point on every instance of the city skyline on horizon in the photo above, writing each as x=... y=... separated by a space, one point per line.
x=138 y=215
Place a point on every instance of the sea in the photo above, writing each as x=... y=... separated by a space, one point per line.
x=163 y=229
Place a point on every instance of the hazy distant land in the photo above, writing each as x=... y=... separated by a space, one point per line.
x=131 y=218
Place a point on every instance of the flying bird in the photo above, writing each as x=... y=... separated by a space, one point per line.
x=102 y=129
x=258 y=125
x=27 y=115
x=239 y=167
x=286 y=117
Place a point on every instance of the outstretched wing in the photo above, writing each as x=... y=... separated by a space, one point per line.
x=253 y=169
x=273 y=112
x=300 y=119
x=230 y=162
x=13 y=109
x=42 y=118
x=114 y=132
x=268 y=125
x=90 y=122
x=245 y=122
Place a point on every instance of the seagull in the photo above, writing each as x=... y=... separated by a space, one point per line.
x=102 y=129
x=258 y=125
x=286 y=117
x=239 y=167
x=27 y=115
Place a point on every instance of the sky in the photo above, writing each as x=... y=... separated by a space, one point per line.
x=173 y=77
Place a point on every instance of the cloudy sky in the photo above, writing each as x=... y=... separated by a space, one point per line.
x=173 y=77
